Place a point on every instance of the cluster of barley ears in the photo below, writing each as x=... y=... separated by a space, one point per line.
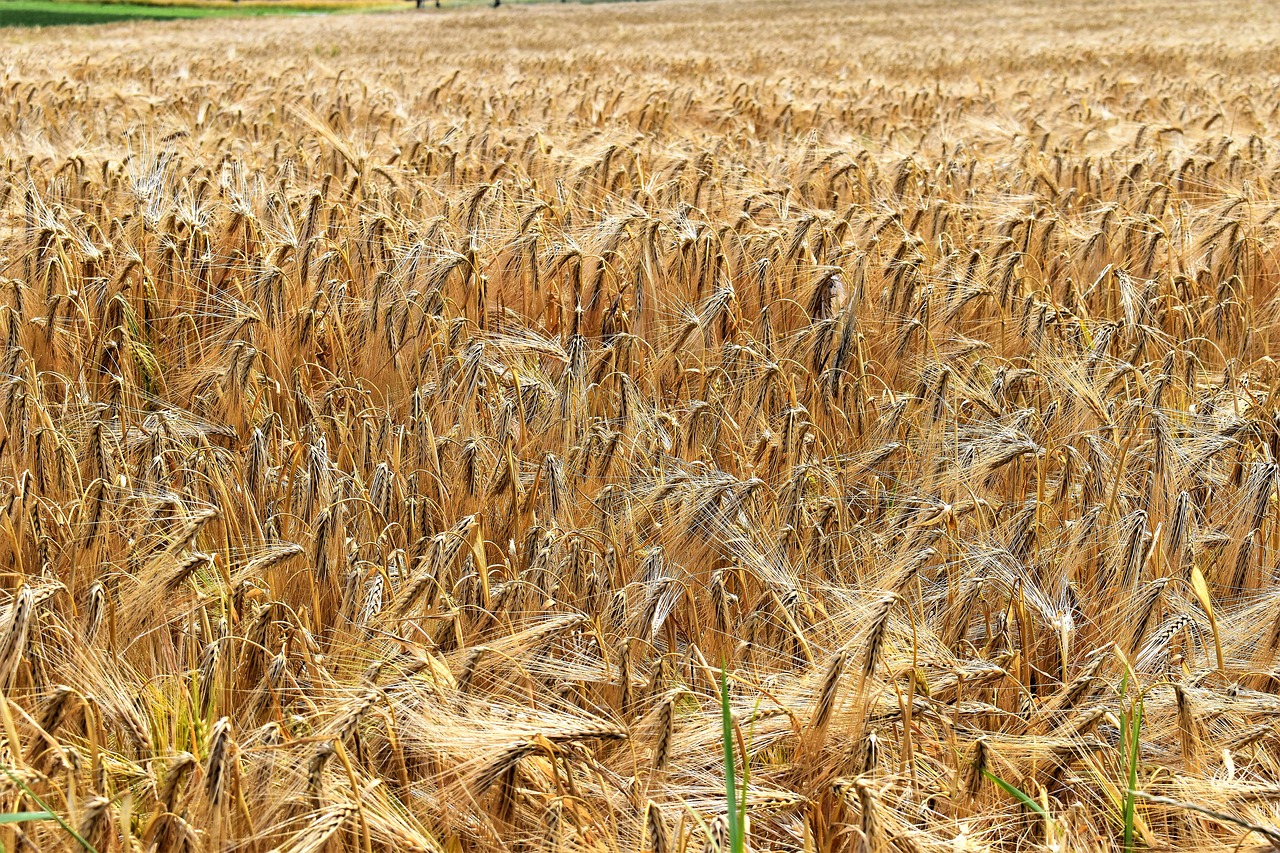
x=394 y=447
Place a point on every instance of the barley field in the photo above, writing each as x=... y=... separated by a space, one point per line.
x=643 y=428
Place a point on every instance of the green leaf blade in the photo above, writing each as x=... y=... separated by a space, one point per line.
x=23 y=817
x=1016 y=794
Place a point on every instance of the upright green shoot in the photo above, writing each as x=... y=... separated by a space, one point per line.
x=736 y=818
x=1130 y=745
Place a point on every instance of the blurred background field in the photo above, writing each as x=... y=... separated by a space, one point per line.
x=43 y=13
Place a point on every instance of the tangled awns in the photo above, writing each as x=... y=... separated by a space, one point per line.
x=410 y=422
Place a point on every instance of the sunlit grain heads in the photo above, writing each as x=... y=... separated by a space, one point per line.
x=973 y=768
x=95 y=822
x=501 y=763
x=877 y=629
x=828 y=693
x=316 y=765
x=868 y=758
x=56 y=707
x=13 y=641
x=657 y=834
x=218 y=764
x=208 y=675
x=1188 y=728
x=175 y=780
x=664 y=731
x=869 y=820
x=717 y=835
x=321 y=826
x=347 y=724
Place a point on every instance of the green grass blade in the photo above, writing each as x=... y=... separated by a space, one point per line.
x=1016 y=794
x=23 y=817
x=746 y=774
x=1132 y=745
x=730 y=788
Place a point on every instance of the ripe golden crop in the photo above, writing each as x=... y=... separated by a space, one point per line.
x=404 y=418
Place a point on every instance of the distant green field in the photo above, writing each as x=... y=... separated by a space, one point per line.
x=38 y=13
x=46 y=13
x=43 y=13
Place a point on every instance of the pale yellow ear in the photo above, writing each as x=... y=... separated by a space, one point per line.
x=1202 y=593
x=1124 y=660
